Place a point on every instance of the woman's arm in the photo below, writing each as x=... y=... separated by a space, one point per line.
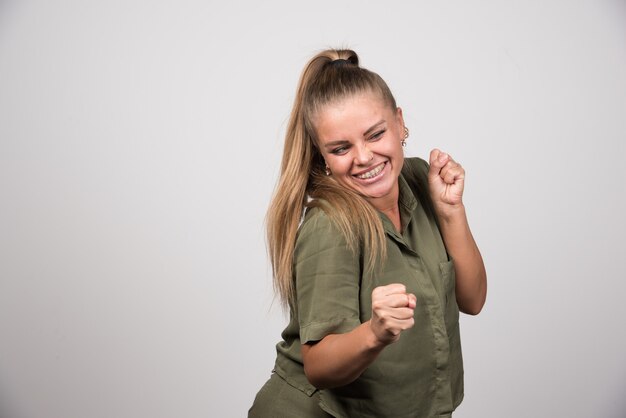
x=471 y=277
x=339 y=359
x=446 y=180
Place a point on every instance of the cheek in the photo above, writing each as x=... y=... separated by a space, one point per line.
x=393 y=146
x=343 y=166
x=333 y=162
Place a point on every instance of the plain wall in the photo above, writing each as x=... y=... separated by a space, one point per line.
x=140 y=143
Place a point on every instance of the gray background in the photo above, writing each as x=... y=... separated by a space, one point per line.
x=140 y=144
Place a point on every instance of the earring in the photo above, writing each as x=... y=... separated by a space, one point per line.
x=406 y=135
x=327 y=170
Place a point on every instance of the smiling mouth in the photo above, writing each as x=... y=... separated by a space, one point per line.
x=372 y=173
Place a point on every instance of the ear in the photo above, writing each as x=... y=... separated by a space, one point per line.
x=399 y=117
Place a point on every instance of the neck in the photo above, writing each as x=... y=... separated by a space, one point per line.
x=389 y=206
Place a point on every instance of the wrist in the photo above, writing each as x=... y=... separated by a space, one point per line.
x=451 y=214
x=372 y=342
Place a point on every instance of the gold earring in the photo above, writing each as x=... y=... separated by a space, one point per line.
x=406 y=135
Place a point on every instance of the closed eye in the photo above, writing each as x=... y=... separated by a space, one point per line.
x=377 y=135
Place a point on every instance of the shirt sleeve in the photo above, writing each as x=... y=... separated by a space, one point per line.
x=327 y=274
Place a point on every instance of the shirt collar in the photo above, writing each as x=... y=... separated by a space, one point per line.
x=406 y=204
x=406 y=198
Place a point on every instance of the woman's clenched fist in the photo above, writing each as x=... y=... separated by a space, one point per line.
x=392 y=312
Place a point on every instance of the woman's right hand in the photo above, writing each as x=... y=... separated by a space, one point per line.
x=392 y=312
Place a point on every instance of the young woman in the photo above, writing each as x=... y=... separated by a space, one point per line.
x=376 y=272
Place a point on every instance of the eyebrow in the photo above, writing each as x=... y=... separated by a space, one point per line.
x=343 y=141
x=374 y=126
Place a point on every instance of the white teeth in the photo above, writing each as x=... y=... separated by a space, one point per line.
x=372 y=173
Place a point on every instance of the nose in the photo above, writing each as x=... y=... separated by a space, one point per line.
x=363 y=155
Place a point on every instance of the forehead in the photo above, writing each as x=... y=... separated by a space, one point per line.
x=351 y=116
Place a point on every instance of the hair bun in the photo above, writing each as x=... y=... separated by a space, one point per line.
x=345 y=57
x=340 y=61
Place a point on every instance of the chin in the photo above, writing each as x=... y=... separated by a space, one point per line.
x=376 y=193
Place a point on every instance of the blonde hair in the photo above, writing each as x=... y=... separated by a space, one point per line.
x=329 y=76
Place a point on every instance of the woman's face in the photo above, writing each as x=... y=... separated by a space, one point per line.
x=360 y=139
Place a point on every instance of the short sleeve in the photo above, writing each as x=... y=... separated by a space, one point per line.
x=327 y=276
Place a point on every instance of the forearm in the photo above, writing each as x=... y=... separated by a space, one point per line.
x=339 y=359
x=471 y=278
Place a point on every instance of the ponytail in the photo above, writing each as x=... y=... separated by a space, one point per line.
x=329 y=76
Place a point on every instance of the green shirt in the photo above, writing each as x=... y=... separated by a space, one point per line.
x=421 y=374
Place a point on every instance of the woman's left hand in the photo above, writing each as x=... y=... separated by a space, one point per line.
x=446 y=178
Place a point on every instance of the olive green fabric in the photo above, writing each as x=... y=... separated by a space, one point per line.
x=420 y=375
x=278 y=399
